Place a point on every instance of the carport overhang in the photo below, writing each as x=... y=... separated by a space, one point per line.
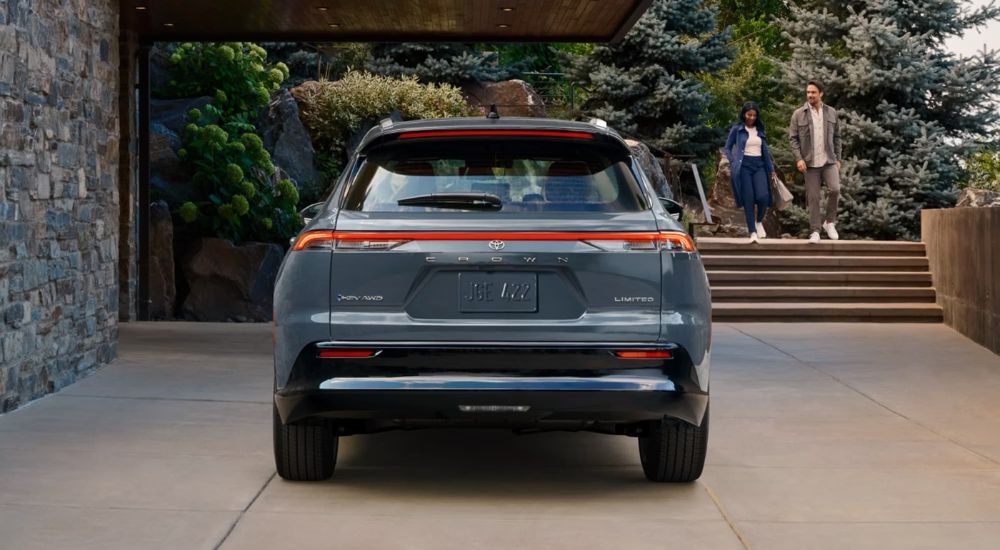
x=382 y=20
x=144 y=22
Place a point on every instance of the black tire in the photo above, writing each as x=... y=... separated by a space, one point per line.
x=304 y=451
x=673 y=450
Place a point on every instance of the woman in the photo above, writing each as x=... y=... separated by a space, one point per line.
x=751 y=168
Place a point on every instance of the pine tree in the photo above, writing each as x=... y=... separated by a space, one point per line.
x=645 y=85
x=910 y=109
x=440 y=63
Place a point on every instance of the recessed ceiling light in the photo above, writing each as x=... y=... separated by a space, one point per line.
x=334 y=25
x=140 y=8
x=322 y=8
x=507 y=9
x=168 y=24
x=503 y=26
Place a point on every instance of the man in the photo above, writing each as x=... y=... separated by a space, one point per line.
x=815 y=139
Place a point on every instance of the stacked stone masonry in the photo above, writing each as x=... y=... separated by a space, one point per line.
x=59 y=214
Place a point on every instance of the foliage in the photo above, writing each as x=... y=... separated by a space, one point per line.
x=983 y=170
x=441 y=63
x=233 y=174
x=910 y=110
x=645 y=85
x=315 y=61
x=334 y=111
x=756 y=19
x=754 y=74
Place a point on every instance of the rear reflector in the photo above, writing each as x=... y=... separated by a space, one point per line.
x=495 y=133
x=386 y=240
x=643 y=354
x=345 y=353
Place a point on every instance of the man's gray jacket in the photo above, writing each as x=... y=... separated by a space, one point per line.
x=800 y=134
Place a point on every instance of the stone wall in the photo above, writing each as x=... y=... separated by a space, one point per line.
x=963 y=246
x=58 y=193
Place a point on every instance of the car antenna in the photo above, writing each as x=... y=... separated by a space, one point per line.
x=493 y=111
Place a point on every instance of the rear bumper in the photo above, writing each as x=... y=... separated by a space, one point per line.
x=523 y=385
x=515 y=401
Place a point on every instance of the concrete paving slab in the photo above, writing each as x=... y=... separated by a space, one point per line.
x=25 y=527
x=823 y=436
x=885 y=442
x=69 y=423
x=45 y=476
x=306 y=531
x=871 y=536
x=857 y=495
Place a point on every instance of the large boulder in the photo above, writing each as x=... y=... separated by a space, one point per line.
x=168 y=180
x=512 y=98
x=173 y=113
x=978 y=198
x=651 y=167
x=286 y=138
x=231 y=283
x=162 y=290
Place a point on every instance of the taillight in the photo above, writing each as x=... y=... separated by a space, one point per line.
x=674 y=242
x=346 y=353
x=619 y=241
x=644 y=354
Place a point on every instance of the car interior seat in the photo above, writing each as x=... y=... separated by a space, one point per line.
x=567 y=183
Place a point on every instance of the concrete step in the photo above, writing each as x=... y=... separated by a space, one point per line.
x=795 y=247
x=825 y=294
x=818 y=278
x=762 y=262
x=820 y=311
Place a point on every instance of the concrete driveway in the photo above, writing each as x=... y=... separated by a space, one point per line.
x=823 y=436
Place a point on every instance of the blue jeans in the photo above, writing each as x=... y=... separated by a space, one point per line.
x=753 y=189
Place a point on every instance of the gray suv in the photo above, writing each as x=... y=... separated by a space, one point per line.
x=509 y=273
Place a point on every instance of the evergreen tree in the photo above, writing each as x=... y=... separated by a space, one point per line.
x=910 y=109
x=440 y=63
x=645 y=85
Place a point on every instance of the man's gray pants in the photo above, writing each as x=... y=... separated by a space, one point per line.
x=829 y=175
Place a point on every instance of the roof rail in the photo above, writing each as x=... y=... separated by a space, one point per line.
x=599 y=122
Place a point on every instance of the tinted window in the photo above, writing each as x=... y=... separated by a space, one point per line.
x=527 y=175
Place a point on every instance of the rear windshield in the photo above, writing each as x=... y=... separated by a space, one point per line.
x=527 y=175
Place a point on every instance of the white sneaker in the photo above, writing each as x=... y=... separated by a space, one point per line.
x=814 y=238
x=753 y=238
x=831 y=231
x=760 y=231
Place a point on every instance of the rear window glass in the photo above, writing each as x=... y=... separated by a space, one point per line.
x=526 y=175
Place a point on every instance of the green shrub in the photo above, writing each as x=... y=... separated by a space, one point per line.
x=240 y=197
x=334 y=110
x=984 y=170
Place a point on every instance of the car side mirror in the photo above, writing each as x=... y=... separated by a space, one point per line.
x=674 y=208
x=310 y=212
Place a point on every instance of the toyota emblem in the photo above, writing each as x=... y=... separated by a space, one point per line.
x=497 y=245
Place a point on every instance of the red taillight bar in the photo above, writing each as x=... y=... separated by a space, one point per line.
x=683 y=240
x=345 y=353
x=644 y=354
x=495 y=133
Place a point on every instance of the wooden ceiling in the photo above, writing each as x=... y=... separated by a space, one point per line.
x=382 y=20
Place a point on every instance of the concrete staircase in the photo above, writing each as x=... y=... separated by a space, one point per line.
x=793 y=281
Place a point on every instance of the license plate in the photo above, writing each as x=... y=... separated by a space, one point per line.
x=497 y=292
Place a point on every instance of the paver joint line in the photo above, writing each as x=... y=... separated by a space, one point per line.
x=244 y=511
x=725 y=516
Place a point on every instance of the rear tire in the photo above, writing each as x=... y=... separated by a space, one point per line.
x=673 y=450
x=304 y=451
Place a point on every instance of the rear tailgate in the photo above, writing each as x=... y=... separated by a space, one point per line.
x=419 y=280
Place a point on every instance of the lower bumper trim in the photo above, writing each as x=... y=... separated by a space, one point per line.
x=459 y=382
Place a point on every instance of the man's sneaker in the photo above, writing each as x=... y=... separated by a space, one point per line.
x=760 y=231
x=831 y=231
x=814 y=238
x=753 y=238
